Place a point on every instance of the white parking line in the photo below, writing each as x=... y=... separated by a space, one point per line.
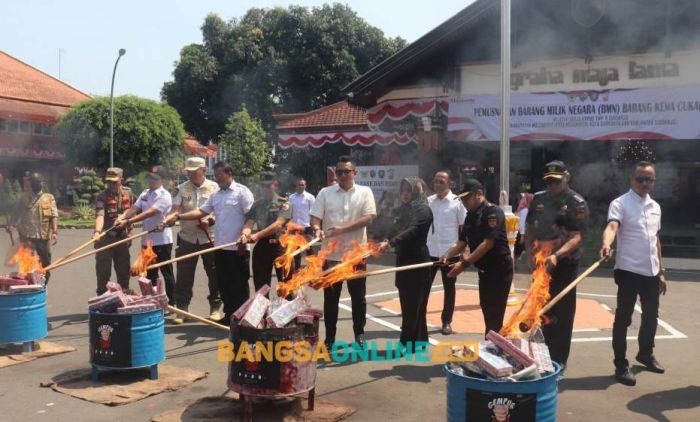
x=384 y=323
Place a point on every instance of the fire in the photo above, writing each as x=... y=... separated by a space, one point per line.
x=27 y=260
x=536 y=297
x=146 y=257
x=314 y=265
x=347 y=267
x=291 y=241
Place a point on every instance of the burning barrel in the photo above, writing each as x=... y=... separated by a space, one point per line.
x=23 y=318
x=126 y=341
x=271 y=377
x=476 y=399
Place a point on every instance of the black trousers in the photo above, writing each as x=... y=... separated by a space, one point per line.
x=331 y=298
x=118 y=256
x=629 y=286
x=414 y=289
x=186 y=271
x=264 y=254
x=494 y=286
x=232 y=273
x=164 y=253
x=448 y=283
x=42 y=249
x=558 y=334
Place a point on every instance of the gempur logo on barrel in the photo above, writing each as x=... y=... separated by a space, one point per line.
x=341 y=351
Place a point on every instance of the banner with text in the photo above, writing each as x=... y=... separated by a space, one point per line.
x=645 y=113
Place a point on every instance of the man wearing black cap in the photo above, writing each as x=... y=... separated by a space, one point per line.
x=555 y=223
x=151 y=207
x=270 y=213
x=485 y=231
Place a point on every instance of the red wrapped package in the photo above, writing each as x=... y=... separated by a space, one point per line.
x=109 y=303
x=113 y=287
x=146 y=286
x=243 y=309
x=133 y=309
x=160 y=286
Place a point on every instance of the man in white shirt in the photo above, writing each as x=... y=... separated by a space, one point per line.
x=151 y=207
x=194 y=236
x=344 y=211
x=635 y=219
x=229 y=205
x=302 y=202
x=448 y=217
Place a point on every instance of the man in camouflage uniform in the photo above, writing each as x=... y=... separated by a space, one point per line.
x=269 y=214
x=36 y=220
x=113 y=201
x=195 y=235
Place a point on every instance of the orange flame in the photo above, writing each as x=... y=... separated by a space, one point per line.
x=347 y=267
x=27 y=260
x=314 y=265
x=536 y=297
x=291 y=241
x=146 y=257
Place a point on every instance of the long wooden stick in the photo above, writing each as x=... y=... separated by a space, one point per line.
x=190 y=255
x=86 y=254
x=197 y=318
x=394 y=270
x=79 y=248
x=570 y=287
x=313 y=241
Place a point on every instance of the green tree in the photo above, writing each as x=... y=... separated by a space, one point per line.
x=272 y=60
x=244 y=144
x=145 y=133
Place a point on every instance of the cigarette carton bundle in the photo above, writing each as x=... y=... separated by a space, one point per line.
x=260 y=312
x=16 y=283
x=116 y=300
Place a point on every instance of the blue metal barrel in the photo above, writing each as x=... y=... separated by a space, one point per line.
x=23 y=317
x=126 y=341
x=474 y=399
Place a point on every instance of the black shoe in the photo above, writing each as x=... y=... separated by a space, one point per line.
x=625 y=376
x=651 y=363
x=446 y=329
x=329 y=343
x=360 y=340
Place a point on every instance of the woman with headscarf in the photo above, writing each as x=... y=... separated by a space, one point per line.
x=409 y=238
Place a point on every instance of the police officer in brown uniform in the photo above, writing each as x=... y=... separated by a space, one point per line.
x=36 y=220
x=556 y=221
x=112 y=202
x=270 y=213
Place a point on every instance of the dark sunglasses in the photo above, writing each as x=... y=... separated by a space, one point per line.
x=644 y=179
x=342 y=172
x=552 y=181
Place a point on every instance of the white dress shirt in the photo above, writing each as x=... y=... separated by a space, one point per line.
x=448 y=214
x=301 y=207
x=161 y=200
x=336 y=207
x=229 y=206
x=639 y=222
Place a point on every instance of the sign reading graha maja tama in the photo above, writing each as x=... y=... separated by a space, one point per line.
x=600 y=75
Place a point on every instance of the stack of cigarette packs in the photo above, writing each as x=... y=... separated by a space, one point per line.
x=115 y=300
x=260 y=312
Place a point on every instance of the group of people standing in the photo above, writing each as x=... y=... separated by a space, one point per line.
x=454 y=231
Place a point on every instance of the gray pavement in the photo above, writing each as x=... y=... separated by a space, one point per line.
x=403 y=391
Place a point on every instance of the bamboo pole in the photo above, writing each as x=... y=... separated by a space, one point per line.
x=86 y=254
x=79 y=248
x=190 y=255
x=313 y=241
x=394 y=270
x=197 y=318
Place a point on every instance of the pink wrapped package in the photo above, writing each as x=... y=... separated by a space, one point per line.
x=161 y=301
x=109 y=304
x=133 y=309
x=160 y=286
x=113 y=287
x=99 y=298
x=6 y=283
x=286 y=313
x=510 y=349
x=146 y=286
x=256 y=311
x=305 y=319
x=318 y=313
x=243 y=309
x=26 y=289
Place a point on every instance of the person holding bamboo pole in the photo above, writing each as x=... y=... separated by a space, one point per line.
x=484 y=230
x=344 y=210
x=408 y=237
x=229 y=205
x=151 y=207
x=113 y=201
